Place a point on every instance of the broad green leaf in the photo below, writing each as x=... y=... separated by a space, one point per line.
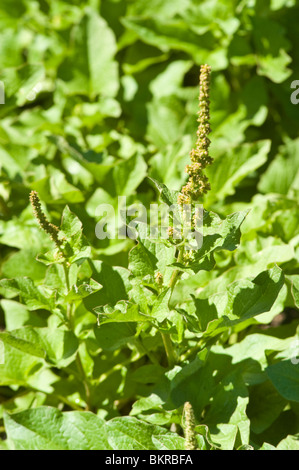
x=84 y=290
x=98 y=164
x=265 y=405
x=60 y=345
x=123 y=311
x=175 y=34
x=160 y=309
x=21 y=368
x=165 y=121
x=128 y=175
x=272 y=56
x=243 y=300
x=217 y=234
x=289 y=443
x=114 y=281
x=295 y=288
x=70 y=224
x=170 y=441
x=90 y=67
x=111 y=336
x=18 y=315
x=129 y=433
x=21 y=81
x=33 y=349
x=147 y=257
x=168 y=196
x=267 y=446
x=285 y=377
x=23 y=263
x=33 y=296
x=229 y=169
x=282 y=172
x=48 y=428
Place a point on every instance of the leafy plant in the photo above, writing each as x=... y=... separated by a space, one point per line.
x=183 y=341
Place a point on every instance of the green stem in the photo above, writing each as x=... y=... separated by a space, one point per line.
x=85 y=381
x=176 y=273
x=143 y=350
x=70 y=316
x=169 y=349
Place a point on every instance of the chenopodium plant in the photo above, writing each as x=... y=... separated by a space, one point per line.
x=138 y=365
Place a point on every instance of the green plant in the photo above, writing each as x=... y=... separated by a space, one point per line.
x=110 y=344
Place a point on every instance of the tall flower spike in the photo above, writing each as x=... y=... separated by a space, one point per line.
x=190 y=435
x=198 y=183
x=49 y=228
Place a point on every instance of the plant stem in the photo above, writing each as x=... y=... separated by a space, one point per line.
x=70 y=317
x=176 y=273
x=169 y=349
x=85 y=382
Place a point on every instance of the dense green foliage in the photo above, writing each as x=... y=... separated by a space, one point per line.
x=101 y=102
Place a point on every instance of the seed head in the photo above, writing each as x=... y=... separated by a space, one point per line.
x=190 y=435
x=49 y=228
x=198 y=184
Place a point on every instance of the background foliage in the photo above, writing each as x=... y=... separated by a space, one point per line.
x=100 y=95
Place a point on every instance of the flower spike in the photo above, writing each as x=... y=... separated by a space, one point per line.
x=198 y=183
x=49 y=228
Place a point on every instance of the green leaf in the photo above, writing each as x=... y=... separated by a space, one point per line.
x=167 y=195
x=289 y=443
x=33 y=296
x=170 y=441
x=18 y=315
x=114 y=281
x=60 y=345
x=129 y=174
x=295 y=288
x=175 y=34
x=160 y=309
x=265 y=405
x=74 y=242
x=70 y=224
x=283 y=171
x=129 y=433
x=111 y=336
x=95 y=163
x=46 y=428
x=84 y=290
x=285 y=377
x=123 y=311
x=90 y=67
x=229 y=169
x=21 y=344
x=271 y=46
x=217 y=234
x=243 y=300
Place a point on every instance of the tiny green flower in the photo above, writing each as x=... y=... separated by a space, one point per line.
x=159 y=278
